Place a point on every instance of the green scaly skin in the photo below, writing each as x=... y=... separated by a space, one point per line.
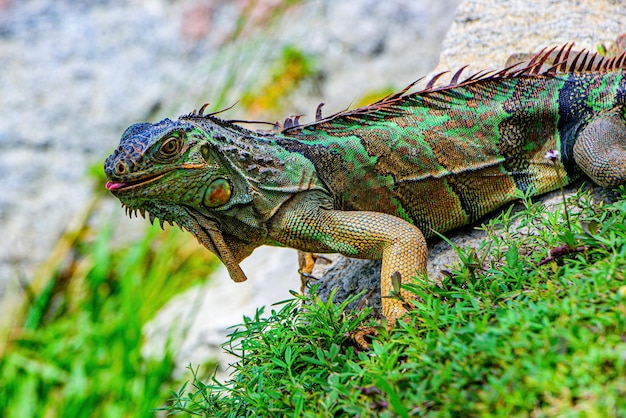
x=374 y=182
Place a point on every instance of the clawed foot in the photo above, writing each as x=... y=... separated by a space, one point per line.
x=359 y=335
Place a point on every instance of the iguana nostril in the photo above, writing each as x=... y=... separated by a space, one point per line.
x=120 y=168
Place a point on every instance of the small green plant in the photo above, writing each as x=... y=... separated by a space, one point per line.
x=553 y=156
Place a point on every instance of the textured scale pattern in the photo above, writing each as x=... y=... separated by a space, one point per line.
x=374 y=182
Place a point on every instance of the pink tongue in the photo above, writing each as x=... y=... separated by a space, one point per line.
x=112 y=185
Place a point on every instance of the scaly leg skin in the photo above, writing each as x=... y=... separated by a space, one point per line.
x=600 y=150
x=361 y=234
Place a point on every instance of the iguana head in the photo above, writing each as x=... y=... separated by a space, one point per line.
x=215 y=179
x=162 y=167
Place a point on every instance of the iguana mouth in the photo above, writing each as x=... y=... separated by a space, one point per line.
x=119 y=185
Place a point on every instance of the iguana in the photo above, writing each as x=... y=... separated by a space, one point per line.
x=374 y=182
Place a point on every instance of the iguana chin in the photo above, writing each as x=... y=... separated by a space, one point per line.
x=374 y=182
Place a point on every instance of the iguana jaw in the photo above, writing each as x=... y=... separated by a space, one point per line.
x=209 y=235
x=123 y=185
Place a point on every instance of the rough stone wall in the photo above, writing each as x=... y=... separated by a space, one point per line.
x=485 y=32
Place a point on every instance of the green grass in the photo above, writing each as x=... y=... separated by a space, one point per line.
x=502 y=335
x=74 y=350
x=505 y=333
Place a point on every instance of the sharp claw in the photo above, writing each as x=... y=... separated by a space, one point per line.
x=307 y=275
x=359 y=337
x=322 y=257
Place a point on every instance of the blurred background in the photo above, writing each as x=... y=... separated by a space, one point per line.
x=79 y=280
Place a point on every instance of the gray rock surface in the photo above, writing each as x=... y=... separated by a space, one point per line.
x=196 y=323
x=485 y=32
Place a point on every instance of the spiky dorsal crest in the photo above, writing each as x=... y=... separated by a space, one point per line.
x=548 y=63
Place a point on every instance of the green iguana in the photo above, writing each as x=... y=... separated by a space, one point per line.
x=374 y=182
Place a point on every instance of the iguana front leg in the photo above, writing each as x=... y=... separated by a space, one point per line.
x=600 y=149
x=305 y=225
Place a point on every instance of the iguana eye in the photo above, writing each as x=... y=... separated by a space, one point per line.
x=170 y=147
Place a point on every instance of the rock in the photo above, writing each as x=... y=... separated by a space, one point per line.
x=485 y=32
x=73 y=75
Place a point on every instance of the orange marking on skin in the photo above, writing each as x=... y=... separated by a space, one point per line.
x=189 y=165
